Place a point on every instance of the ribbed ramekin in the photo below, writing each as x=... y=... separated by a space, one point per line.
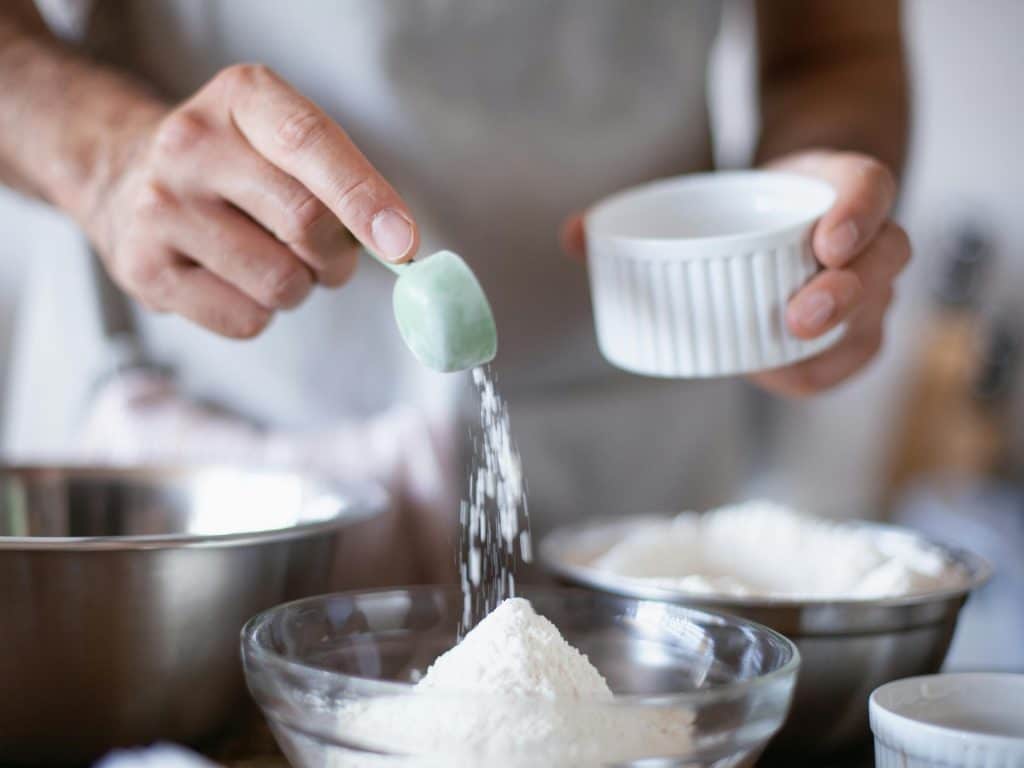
x=949 y=721
x=690 y=276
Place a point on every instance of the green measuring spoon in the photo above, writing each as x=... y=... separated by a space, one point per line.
x=442 y=312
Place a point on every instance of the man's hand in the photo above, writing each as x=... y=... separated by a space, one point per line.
x=236 y=203
x=225 y=209
x=861 y=251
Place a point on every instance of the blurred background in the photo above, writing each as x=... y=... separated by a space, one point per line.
x=965 y=175
x=933 y=433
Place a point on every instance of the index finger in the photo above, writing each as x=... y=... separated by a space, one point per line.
x=295 y=135
x=865 y=194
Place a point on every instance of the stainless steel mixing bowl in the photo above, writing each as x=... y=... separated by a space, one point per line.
x=122 y=593
x=848 y=647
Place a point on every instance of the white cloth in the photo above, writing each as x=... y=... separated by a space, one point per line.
x=495 y=120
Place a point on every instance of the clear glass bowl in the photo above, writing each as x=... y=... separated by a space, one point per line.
x=334 y=676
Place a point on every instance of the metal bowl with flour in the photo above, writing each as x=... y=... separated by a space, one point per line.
x=123 y=593
x=849 y=647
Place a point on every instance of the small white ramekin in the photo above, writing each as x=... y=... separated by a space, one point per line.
x=690 y=276
x=949 y=721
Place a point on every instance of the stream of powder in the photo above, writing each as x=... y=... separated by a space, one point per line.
x=494 y=524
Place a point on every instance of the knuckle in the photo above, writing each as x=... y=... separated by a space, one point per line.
x=286 y=286
x=850 y=288
x=339 y=272
x=154 y=201
x=246 y=324
x=153 y=280
x=151 y=303
x=119 y=268
x=150 y=307
x=357 y=196
x=302 y=130
x=181 y=131
x=300 y=216
x=877 y=175
x=243 y=76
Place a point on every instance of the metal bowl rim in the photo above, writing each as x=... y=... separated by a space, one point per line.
x=554 y=544
x=268 y=658
x=372 y=500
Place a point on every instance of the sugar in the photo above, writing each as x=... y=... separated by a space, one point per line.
x=494 y=524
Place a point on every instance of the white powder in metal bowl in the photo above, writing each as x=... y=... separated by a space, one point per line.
x=515 y=693
x=761 y=549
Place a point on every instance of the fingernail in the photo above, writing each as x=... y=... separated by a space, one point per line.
x=392 y=234
x=814 y=311
x=841 y=241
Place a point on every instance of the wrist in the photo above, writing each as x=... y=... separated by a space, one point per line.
x=93 y=170
x=67 y=125
x=107 y=120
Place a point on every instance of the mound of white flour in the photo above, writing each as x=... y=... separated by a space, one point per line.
x=516 y=652
x=513 y=693
x=762 y=549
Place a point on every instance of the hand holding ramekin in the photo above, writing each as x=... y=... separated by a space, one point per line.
x=862 y=251
x=779 y=275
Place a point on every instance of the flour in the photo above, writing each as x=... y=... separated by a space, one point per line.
x=494 y=526
x=516 y=652
x=765 y=550
x=514 y=693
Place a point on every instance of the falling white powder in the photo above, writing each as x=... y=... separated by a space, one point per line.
x=765 y=550
x=494 y=526
x=515 y=693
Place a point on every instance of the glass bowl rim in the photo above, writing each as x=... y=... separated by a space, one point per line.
x=253 y=650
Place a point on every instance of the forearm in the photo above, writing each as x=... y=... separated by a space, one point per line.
x=839 y=84
x=836 y=110
x=61 y=117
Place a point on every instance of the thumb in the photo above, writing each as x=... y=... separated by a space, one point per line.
x=572 y=239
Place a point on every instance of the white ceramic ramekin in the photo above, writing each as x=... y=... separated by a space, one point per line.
x=949 y=721
x=690 y=276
